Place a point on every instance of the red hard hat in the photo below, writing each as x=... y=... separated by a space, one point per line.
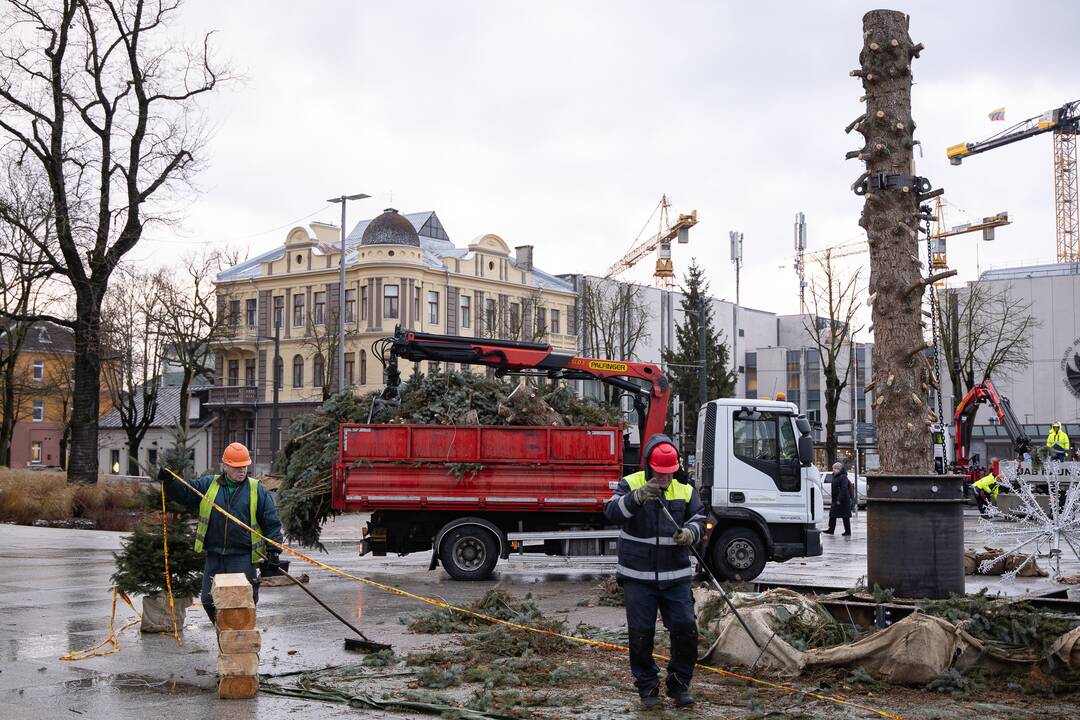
x=664 y=458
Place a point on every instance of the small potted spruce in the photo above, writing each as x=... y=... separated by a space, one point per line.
x=140 y=565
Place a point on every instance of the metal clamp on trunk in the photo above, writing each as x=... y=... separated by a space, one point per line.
x=884 y=181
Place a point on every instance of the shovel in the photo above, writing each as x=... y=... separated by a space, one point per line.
x=357 y=644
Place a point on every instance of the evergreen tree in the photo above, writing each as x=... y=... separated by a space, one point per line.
x=684 y=361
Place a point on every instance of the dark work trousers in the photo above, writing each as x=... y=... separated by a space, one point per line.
x=676 y=605
x=215 y=564
x=847 y=524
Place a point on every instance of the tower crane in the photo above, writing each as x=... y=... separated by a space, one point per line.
x=664 y=275
x=1064 y=122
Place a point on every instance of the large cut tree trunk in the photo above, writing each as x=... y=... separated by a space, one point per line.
x=901 y=374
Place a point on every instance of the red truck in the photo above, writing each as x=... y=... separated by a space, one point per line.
x=474 y=494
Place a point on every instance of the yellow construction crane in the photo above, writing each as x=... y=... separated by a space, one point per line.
x=1064 y=122
x=938 y=256
x=664 y=275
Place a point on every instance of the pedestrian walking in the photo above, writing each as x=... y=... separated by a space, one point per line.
x=654 y=568
x=840 y=508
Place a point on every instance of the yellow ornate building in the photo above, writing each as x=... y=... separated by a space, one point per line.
x=400 y=270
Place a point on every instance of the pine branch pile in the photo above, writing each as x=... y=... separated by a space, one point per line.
x=438 y=398
x=1007 y=625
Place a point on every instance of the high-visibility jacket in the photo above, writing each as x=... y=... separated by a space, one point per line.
x=249 y=502
x=1057 y=438
x=647 y=552
x=988 y=484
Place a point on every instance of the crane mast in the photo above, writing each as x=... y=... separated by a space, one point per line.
x=664 y=274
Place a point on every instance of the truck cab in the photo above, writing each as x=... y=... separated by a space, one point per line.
x=756 y=477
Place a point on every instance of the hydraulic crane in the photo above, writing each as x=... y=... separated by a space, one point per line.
x=1064 y=123
x=939 y=258
x=664 y=275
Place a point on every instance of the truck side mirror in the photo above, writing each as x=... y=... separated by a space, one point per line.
x=806 y=450
x=803 y=425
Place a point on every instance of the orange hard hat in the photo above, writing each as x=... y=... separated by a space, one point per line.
x=236 y=455
x=664 y=458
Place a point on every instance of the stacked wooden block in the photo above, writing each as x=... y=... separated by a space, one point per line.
x=238 y=640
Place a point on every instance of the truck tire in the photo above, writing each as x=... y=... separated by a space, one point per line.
x=469 y=553
x=738 y=554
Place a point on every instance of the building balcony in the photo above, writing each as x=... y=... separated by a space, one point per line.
x=233 y=396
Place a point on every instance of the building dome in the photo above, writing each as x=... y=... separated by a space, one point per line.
x=390 y=228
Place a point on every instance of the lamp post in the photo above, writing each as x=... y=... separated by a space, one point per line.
x=341 y=289
x=276 y=379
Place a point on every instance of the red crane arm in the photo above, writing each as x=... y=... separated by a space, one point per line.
x=964 y=421
x=512 y=357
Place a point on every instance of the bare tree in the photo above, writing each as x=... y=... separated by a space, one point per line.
x=834 y=301
x=321 y=339
x=614 y=319
x=188 y=321
x=96 y=97
x=135 y=351
x=520 y=320
x=984 y=332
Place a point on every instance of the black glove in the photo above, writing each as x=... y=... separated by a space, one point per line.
x=271 y=565
x=163 y=474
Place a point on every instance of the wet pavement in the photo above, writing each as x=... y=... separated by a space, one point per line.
x=55 y=598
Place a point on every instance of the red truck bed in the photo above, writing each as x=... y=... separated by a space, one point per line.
x=403 y=467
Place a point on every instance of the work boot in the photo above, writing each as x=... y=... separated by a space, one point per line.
x=681 y=697
x=652 y=700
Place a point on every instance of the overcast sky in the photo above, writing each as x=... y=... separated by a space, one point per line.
x=560 y=124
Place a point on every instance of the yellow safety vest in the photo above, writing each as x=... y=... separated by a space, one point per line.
x=989 y=485
x=1057 y=438
x=675 y=491
x=258 y=547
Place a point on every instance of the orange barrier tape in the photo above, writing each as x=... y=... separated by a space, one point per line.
x=168 y=580
x=508 y=623
x=111 y=638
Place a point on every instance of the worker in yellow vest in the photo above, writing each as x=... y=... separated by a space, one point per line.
x=1058 y=442
x=986 y=491
x=229 y=548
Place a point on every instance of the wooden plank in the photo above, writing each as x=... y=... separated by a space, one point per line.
x=238 y=687
x=232 y=642
x=238 y=664
x=232 y=590
x=236 y=619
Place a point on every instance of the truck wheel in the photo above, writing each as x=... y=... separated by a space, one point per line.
x=738 y=554
x=469 y=553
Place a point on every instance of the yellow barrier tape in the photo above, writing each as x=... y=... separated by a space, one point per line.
x=168 y=580
x=111 y=638
x=517 y=626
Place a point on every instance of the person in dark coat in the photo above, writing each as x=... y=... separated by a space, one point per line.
x=841 y=500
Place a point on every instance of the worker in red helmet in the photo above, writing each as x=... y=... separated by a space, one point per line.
x=228 y=547
x=654 y=568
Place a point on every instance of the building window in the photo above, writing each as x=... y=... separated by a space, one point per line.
x=279 y=310
x=319 y=369
x=416 y=305
x=751 y=375
x=249 y=435
x=350 y=306
x=465 y=306
x=114 y=462
x=489 y=318
x=234 y=313
x=363 y=367
x=39 y=370
x=298 y=371
x=364 y=303
x=298 y=310
x=433 y=307
x=541 y=322
x=554 y=322
x=252 y=317
x=794 y=376
x=151 y=457
x=249 y=372
x=319 y=309
x=515 y=319
x=279 y=372
x=349 y=368
x=234 y=372
x=390 y=301
x=39 y=410
x=35 y=452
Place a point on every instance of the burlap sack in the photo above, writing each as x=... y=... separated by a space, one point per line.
x=155 y=613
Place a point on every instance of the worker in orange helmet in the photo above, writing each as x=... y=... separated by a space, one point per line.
x=654 y=568
x=229 y=548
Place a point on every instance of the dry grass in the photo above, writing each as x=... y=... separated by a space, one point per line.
x=26 y=496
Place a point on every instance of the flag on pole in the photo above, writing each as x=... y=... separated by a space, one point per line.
x=998 y=114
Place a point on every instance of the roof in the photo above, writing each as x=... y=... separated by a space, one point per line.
x=48 y=337
x=1031 y=271
x=166 y=415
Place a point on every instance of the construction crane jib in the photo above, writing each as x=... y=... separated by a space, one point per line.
x=678 y=231
x=1064 y=123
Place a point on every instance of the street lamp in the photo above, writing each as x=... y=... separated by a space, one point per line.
x=341 y=289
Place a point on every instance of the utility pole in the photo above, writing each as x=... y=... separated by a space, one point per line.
x=275 y=419
x=736 y=258
x=703 y=372
x=341 y=290
x=800 y=258
x=855 y=412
